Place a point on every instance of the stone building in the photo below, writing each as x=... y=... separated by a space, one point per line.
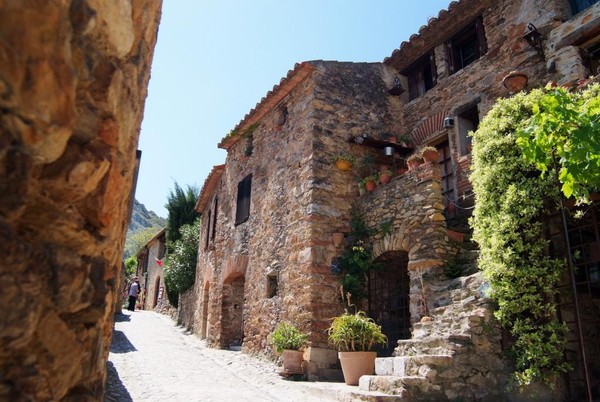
x=73 y=82
x=268 y=214
x=150 y=270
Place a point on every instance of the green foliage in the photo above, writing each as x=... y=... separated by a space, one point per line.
x=357 y=258
x=180 y=267
x=355 y=333
x=130 y=266
x=136 y=240
x=563 y=134
x=454 y=268
x=287 y=336
x=512 y=201
x=180 y=205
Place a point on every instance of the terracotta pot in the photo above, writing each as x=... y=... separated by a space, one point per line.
x=292 y=361
x=356 y=364
x=431 y=156
x=384 y=178
x=370 y=186
x=413 y=164
x=391 y=139
x=343 y=164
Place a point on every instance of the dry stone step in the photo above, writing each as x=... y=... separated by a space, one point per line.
x=402 y=366
x=392 y=385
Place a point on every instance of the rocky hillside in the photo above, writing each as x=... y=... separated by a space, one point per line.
x=142 y=218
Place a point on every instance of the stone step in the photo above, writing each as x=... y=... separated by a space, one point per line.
x=402 y=366
x=408 y=388
x=431 y=345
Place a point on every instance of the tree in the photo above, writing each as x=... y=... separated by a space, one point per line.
x=563 y=134
x=180 y=205
x=180 y=267
x=130 y=266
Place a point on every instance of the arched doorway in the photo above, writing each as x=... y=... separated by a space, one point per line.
x=389 y=298
x=232 y=313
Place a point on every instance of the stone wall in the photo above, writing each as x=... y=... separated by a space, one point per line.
x=73 y=78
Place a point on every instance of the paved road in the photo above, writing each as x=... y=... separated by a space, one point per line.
x=151 y=359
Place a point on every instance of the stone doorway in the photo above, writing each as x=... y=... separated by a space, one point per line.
x=156 y=291
x=232 y=320
x=389 y=298
x=584 y=238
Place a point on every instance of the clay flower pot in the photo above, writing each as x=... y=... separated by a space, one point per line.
x=292 y=361
x=356 y=364
x=370 y=186
x=337 y=238
x=385 y=177
x=343 y=164
x=413 y=163
x=431 y=155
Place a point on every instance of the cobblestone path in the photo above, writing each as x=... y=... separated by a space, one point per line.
x=151 y=359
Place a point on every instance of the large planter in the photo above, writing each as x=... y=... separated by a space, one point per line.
x=356 y=364
x=292 y=361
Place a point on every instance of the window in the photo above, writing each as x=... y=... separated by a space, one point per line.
x=422 y=76
x=242 y=212
x=207 y=230
x=592 y=58
x=466 y=46
x=578 y=6
x=214 y=227
x=467 y=121
x=272 y=285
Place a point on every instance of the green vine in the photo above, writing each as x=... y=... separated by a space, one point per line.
x=357 y=258
x=512 y=199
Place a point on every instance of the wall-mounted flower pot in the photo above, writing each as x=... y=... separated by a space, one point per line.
x=337 y=238
x=370 y=186
x=413 y=163
x=385 y=178
x=431 y=156
x=343 y=164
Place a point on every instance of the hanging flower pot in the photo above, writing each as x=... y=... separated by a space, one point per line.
x=430 y=154
x=370 y=183
x=344 y=162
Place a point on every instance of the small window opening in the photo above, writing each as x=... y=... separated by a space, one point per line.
x=272 y=285
x=593 y=59
x=422 y=76
x=214 y=226
x=467 y=121
x=466 y=46
x=242 y=212
x=207 y=237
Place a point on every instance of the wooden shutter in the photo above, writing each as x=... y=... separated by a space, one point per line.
x=242 y=212
x=481 y=36
x=214 y=227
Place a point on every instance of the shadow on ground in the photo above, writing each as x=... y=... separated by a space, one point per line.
x=120 y=343
x=120 y=317
x=115 y=391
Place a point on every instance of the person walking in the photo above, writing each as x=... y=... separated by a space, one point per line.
x=134 y=291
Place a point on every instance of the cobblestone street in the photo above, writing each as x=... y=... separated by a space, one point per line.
x=152 y=359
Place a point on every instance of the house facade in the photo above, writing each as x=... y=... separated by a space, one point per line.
x=270 y=212
x=150 y=271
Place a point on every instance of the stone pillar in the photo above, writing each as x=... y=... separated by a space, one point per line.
x=73 y=81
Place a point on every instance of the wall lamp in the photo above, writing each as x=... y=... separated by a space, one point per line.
x=397 y=89
x=534 y=39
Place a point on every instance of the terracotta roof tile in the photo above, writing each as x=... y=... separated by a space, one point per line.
x=209 y=187
x=279 y=91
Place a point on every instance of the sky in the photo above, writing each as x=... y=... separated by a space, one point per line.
x=215 y=60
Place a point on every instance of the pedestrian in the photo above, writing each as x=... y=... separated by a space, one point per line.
x=134 y=291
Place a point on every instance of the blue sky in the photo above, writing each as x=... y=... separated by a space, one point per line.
x=215 y=59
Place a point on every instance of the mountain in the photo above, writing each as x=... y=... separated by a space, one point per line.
x=142 y=218
x=143 y=226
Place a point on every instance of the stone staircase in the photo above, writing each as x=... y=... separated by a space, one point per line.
x=455 y=356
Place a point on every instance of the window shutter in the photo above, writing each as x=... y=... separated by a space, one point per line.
x=433 y=68
x=243 y=200
x=481 y=36
x=450 y=57
x=207 y=230
x=214 y=227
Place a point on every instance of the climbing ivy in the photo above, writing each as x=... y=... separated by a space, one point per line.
x=357 y=258
x=563 y=134
x=512 y=199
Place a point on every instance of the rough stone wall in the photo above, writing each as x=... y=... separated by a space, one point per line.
x=154 y=272
x=298 y=199
x=73 y=78
x=481 y=82
x=412 y=206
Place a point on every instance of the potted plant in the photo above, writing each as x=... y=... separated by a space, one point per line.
x=414 y=161
x=344 y=161
x=354 y=335
x=385 y=176
x=370 y=182
x=423 y=304
x=430 y=154
x=290 y=341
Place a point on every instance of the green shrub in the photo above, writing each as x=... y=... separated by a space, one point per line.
x=287 y=336
x=355 y=333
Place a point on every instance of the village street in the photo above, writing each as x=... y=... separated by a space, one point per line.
x=152 y=359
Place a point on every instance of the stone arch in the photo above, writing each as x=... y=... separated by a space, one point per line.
x=232 y=311
x=395 y=241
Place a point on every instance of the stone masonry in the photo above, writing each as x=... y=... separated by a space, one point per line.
x=269 y=212
x=73 y=79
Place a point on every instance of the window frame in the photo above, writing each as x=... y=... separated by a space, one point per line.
x=454 y=45
x=242 y=210
x=421 y=75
